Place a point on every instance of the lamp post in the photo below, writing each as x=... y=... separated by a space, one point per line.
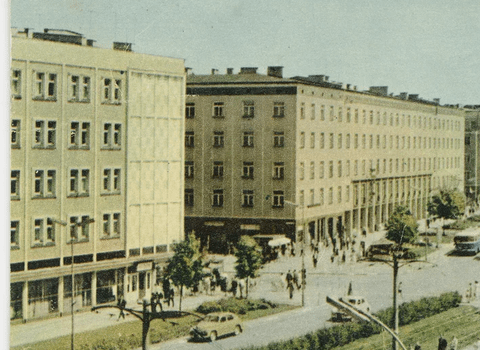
x=72 y=241
x=304 y=271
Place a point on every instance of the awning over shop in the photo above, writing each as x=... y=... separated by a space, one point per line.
x=277 y=242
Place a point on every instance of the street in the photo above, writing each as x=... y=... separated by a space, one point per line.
x=372 y=280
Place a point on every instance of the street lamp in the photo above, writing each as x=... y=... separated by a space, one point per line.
x=72 y=241
x=303 y=272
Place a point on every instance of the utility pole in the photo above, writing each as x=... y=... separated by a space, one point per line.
x=395 y=293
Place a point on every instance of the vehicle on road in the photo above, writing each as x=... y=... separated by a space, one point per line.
x=217 y=324
x=358 y=302
x=468 y=241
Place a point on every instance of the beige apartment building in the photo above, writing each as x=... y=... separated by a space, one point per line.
x=96 y=171
x=269 y=155
x=472 y=153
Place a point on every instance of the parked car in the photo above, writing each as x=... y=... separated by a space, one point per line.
x=356 y=301
x=217 y=324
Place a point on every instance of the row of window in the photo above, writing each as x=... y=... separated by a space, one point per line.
x=247 y=198
x=45 y=135
x=44 y=183
x=378 y=167
x=45 y=86
x=247 y=111
x=379 y=141
x=78 y=229
x=247 y=139
x=378 y=118
x=247 y=171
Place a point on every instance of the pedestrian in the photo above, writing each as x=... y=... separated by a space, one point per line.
x=454 y=343
x=315 y=260
x=234 y=288
x=296 y=279
x=400 y=288
x=171 y=296
x=475 y=290
x=290 y=288
x=292 y=249
x=442 y=343
x=332 y=258
x=121 y=304
x=289 y=277
x=344 y=257
x=417 y=346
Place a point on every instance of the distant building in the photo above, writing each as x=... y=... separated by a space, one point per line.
x=269 y=155
x=96 y=159
x=472 y=153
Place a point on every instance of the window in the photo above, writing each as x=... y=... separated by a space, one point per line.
x=218 y=110
x=218 y=139
x=312 y=140
x=339 y=168
x=321 y=169
x=347 y=194
x=322 y=113
x=45 y=134
x=278 y=139
x=301 y=198
x=355 y=141
x=340 y=114
x=79 y=88
x=302 y=110
x=332 y=113
x=247 y=170
x=111 y=181
x=217 y=198
x=330 y=169
x=278 y=109
x=247 y=200
x=339 y=194
x=330 y=195
x=321 y=199
x=347 y=168
x=15 y=133
x=218 y=169
x=347 y=141
x=44 y=186
x=278 y=170
x=189 y=199
x=112 y=91
x=312 y=112
x=248 y=139
x=301 y=171
x=312 y=170
x=302 y=139
x=43 y=232
x=349 y=115
x=322 y=140
x=189 y=169
x=331 y=141
x=340 y=141
x=14 y=234
x=278 y=199
x=45 y=86
x=112 y=134
x=79 y=225
x=111 y=225
x=79 y=135
x=16 y=84
x=189 y=139
x=190 y=110
x=15 y=184
x=248 y=109
x=79 y=182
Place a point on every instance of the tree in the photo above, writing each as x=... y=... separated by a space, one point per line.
x=402 y=226
x=447 y=204
x=249 y=259
x=185 y=267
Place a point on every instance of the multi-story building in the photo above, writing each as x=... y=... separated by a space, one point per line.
x=472 y=152
x=265 y=154
x=96 y=171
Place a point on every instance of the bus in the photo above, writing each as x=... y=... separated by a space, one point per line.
x=467 y=242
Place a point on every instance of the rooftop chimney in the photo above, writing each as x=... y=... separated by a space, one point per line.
x=379 y=90
x=122 y=46
x=214 y=71
x=248 y=70
x=275 y=71
x=229 y=71
x=403 y=95
x=413 y=97
x=188 y=70
x=437 y=101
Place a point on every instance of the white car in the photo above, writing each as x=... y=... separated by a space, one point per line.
x=217 y=324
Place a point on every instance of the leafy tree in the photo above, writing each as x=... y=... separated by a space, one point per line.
x=402 y=226
x=185 y=267
x=447 y=204
x=249 y=259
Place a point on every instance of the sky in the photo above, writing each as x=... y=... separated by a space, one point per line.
x=426 y=47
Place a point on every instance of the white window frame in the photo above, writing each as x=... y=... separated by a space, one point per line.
x=15 y=184
x=278 y=139
x=279 y=109
x=248 y=170
x=247 y=139
x=189 y=139
x=44 y=86
x=15 y=133
x=278 y=170
x=278 y=199
x=218 y=169
x=189 y=169
x=16 y=83
x=218 y=110
x=217 y=198
x=111 y=91
x=189 y=197
x=190 y=110
x=14 y=234
x=248 y=109
x=247 y=199
x=218 y=139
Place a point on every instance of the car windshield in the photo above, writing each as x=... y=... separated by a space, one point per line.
x=211 y=318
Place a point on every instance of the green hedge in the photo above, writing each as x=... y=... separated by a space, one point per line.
x=329 y=338
x=237 y=306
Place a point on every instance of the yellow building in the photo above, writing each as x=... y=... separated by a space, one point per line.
x=96 y=171
x=265 y=154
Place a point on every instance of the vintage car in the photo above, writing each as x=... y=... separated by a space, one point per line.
x=217 y=324
x=356 y=301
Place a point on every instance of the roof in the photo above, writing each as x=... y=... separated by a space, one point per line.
x=383 y=241
x=236 y=79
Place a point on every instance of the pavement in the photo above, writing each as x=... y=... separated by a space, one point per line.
x=270 y=285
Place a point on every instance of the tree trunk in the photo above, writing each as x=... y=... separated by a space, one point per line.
x=246 y=289
x=180 y=304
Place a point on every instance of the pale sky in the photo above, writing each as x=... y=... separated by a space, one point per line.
x=426 y=47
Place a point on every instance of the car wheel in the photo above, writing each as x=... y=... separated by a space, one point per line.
x=238 y=329
x=213 y=336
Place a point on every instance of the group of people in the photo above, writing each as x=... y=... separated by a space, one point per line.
x=471 y=292
x=442 y=344
x=293 y=281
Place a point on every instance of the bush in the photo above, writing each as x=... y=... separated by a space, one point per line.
x=237 y=306
x=329 y=338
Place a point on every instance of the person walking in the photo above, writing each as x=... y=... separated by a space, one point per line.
x=290 y=288
x=121 y=304
x=475 y=290
x=296 y=279
x=315 y=259
x=454 y=343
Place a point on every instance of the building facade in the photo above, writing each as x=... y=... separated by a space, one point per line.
x=270 y=155
x=96 y=171
x=472 y=152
